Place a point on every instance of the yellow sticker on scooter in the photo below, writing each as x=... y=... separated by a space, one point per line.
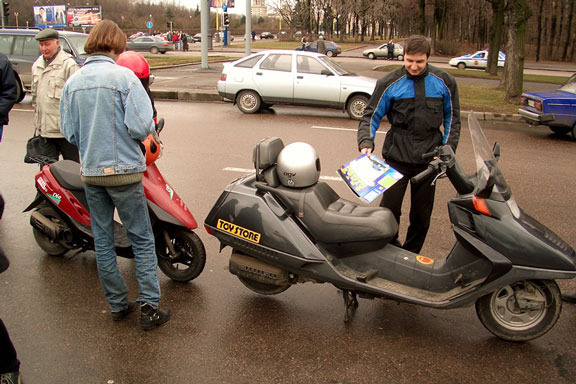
x=238 y=231
x=425 y=260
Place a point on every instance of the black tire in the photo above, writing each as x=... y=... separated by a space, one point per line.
x=44 y=242
x=263 y=288
x=501 y=314
x=573 y=132
x=356 y=106
x=330 y=53
x=372 y=56
x=20 y=93
x=561 y=130
x=461 y=66
x=249 y=101
x=190 y=255
x=1 y=206
x=154 y=50
x=400 y=57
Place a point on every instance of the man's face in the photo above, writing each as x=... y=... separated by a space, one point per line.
x=49 y=47
x=415 y=63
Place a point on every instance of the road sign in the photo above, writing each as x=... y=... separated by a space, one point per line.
x=224 y=6
x=148 y=24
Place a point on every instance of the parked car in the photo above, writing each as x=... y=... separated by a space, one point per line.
x=476 y=60
x=291 y=77
x=22 y=49
x=266 y=35
x=332 y=49
x=557 y=109
x=382 y=51
x=152 y=44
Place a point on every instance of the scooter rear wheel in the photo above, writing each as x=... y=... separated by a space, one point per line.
x=263 y=288
x=521 y=311
x=190 y=256
x=44 y=242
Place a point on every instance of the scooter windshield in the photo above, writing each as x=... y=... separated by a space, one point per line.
x=487 y=170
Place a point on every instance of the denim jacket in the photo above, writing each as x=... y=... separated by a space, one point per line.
x=106 y=112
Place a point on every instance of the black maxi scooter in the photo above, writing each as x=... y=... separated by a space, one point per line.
x=503 y=260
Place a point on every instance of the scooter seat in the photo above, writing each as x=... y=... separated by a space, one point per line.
x=331 y=219
x=67 y=172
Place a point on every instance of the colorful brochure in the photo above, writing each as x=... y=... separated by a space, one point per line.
x=369 y=176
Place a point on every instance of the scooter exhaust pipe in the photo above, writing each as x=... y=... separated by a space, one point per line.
x=45 y=225
x=254 y=269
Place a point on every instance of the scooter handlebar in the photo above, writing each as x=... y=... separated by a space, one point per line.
x=424 y=174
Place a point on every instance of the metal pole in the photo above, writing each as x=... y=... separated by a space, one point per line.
x=2 y=14
x=205 y=24
x=248 y=27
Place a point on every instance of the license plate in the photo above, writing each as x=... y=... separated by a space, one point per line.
x=531 y=103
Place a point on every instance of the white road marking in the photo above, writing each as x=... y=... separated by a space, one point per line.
x=246 y=170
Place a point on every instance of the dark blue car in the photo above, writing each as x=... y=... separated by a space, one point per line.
x=332 y=49
x=557 y=109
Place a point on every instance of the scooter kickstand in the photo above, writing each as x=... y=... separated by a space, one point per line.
x=350 y=304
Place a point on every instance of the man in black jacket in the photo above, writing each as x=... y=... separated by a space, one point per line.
x=417 y=99
x=8 y=95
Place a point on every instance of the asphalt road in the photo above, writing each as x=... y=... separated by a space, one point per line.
x=223 y=333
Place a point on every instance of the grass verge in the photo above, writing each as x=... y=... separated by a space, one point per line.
x=156 y=61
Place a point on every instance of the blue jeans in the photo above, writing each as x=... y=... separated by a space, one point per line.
x=130 y=202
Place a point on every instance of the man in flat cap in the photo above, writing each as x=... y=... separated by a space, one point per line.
x=49 y=73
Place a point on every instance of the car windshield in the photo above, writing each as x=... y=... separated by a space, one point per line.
x=570 y=85
x=486 y=165
x=334 y=66
x=78 y=41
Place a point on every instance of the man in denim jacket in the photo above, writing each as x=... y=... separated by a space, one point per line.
x=106 y=112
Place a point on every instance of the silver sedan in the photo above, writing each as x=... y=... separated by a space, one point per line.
x=292 y=77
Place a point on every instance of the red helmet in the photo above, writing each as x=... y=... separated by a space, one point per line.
x=135 y=62
x=152 y=149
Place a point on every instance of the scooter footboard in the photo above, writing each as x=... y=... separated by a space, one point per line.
x=393 y=264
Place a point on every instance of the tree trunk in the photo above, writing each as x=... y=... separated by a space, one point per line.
x=495 y=35
x=518 y=14
x=422 y=17
x=539 y=39
x=569 y=33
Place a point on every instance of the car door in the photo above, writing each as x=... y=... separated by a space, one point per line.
x=315 y=84
x=274 y=79
x=25 y=52
x=479 y=60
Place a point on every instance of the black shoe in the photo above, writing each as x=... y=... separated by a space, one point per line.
x=569 y=297
x=10 y=378
x=119 y=315
x=151 y=317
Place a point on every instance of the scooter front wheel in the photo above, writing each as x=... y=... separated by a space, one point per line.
x=181 y=254
x=521 y=311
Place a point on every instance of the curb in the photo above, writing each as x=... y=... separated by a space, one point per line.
x=211 y=96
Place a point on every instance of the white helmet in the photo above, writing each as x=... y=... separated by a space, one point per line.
x=298 y=165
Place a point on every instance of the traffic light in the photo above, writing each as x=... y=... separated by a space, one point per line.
x=6 y=8
x=226 y=19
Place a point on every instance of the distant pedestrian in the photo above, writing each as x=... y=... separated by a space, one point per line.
x=185 y=42
x=390 y=47
x=321 y=45
x=304 y=42
x=176 y=40
x=49 y=73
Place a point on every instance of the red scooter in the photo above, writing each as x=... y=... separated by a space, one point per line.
x=61 y=220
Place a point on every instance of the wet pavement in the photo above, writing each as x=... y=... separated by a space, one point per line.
x=221 y=332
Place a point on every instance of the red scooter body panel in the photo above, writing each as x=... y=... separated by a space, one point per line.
x=159 y=192
x=65 y=200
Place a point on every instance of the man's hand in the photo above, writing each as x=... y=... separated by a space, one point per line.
x=366 y=151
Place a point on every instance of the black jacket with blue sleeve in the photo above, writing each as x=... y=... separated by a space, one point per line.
x=416 y=107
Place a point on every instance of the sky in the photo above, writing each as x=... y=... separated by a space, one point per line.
x=239 y=7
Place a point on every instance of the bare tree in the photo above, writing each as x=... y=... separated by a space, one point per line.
x=495 y=35
x=518 y=13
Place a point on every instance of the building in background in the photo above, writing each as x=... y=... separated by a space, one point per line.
x=259 y=8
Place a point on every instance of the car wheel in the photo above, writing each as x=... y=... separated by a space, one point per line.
x=400 y=57
x=154 y=50
x=248 y=101
x=372 y=56
x=356 y=106
x=20 y=93
x=573 y=132
x=329 y=53
x=461 y=66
